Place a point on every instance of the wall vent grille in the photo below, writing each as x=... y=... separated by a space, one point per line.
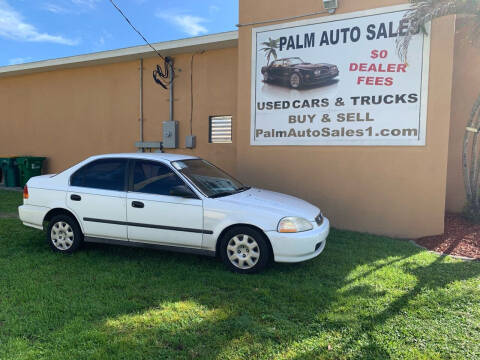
x=220 y=129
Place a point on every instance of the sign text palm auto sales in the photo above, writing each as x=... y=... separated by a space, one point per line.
x=339 y=81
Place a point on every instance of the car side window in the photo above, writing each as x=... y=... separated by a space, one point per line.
x=154 y=178
x=105 y=174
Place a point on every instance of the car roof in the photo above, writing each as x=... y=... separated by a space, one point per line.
x=147 y=156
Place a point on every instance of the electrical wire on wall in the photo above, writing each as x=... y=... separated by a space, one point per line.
x=159 y=73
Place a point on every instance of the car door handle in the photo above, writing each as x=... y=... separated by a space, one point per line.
x=75 y=197
x=137 y=204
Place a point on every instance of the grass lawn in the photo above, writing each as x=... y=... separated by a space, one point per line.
x=365 y=297
x=9 y=201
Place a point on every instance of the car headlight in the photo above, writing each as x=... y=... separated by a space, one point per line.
x=317 y=72
x=293 y=224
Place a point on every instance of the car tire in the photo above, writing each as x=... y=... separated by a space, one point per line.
x=64 y=234
x=244 y=250
x=266 y=77
x=295 y=81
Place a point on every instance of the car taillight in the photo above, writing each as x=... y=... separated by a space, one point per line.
x=25 y=192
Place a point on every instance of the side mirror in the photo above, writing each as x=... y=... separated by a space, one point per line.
x=183 y=191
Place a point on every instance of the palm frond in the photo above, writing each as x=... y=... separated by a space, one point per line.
x=424 y=11
x=469 y=29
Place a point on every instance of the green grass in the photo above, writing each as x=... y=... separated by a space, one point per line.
x=9 y=201
x=365 y=297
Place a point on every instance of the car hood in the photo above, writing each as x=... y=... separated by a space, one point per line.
x=311 y=66
x=273 y=202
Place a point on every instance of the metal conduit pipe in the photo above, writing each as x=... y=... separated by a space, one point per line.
x=141 y=101
x=171 y=89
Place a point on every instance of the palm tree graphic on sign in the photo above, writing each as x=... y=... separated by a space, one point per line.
x=270 y=49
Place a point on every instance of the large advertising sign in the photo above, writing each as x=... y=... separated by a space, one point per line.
x=338 y=80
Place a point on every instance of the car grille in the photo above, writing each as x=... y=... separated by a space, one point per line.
x=319 y=219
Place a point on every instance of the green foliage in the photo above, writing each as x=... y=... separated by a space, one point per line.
x=365 y=297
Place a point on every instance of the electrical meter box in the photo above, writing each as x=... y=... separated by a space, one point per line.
x=170 y=134
x=190 y=142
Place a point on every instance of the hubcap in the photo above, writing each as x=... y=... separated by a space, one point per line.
x=243 y=251
x=295 y=81
x=62 y=235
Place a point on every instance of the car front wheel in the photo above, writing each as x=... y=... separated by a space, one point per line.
x=64 y=234
x=295 y=81
x=266 y=78
x=244 y=250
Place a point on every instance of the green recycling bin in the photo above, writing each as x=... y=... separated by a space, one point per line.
x=29 y=166
x=9 y=171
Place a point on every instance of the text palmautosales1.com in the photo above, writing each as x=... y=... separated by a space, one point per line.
x=327 y=132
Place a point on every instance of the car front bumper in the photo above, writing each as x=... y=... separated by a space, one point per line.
x=320 y=78
x=297 y=247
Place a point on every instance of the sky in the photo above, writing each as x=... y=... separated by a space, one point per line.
x=33 y=30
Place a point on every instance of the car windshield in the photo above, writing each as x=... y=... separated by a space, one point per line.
x=209 y=179
x=294 y=61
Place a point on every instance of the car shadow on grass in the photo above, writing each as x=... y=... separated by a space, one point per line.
x=118 y=302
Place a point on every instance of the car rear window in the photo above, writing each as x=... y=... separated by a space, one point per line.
x=105 y=174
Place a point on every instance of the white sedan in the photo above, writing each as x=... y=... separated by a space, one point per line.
x=172 y=202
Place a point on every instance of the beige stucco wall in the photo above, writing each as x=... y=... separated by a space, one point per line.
x=466 y=88
x=398 y=191
x=68 y=115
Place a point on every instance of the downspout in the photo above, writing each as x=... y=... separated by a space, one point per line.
x=141 y=102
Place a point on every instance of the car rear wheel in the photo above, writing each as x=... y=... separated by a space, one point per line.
x=244 y=250
x=64 y=234
x=295 y=81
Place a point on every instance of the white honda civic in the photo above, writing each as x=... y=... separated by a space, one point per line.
x=172 y=202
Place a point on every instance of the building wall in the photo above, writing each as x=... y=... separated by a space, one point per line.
x=214 y=93
x=466 y=88
x=398 y=191
x=68 y=115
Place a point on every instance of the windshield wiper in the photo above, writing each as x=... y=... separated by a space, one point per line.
x=227 y=193
x=222 y=194
x=243 y=188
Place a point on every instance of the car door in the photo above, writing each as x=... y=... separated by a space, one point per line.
x=154 y=215
x=286 y=70
x=97 y=196
x=275 y=69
